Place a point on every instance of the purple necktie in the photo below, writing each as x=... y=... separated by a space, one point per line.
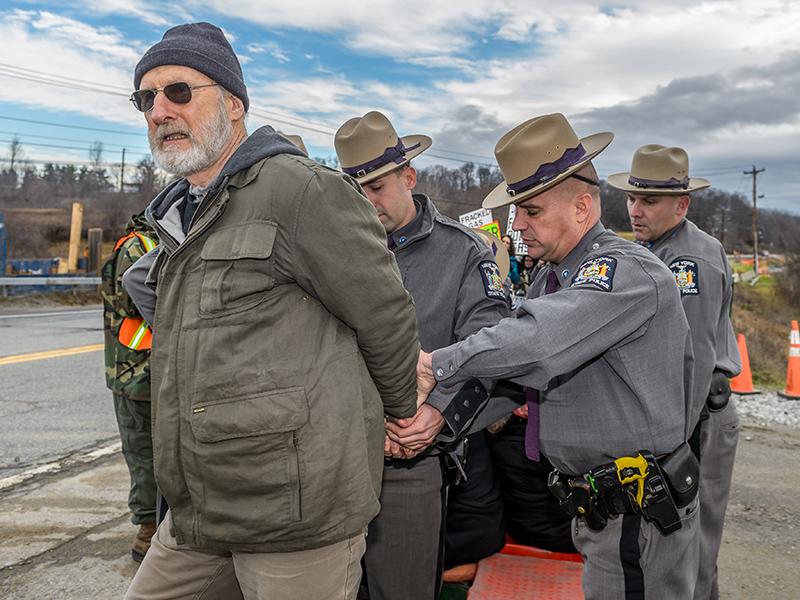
x=532 y=396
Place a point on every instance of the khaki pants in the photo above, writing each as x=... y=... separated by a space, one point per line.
x=169 y=573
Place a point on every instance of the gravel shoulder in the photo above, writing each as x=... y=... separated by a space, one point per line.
x=759 y=554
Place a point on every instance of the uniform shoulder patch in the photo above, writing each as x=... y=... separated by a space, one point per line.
x=598 y=272
x=686 y=276
x=492 y=283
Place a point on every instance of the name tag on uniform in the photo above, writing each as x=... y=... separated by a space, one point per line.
x=492 y=283
x=686 y=276
x=597 y=272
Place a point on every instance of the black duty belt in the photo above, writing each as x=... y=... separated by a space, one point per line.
x=641 y=484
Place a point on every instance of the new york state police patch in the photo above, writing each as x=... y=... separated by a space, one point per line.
x=598 y=272
x=492 y=283
x=686 y=276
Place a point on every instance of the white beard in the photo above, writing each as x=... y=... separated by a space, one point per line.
x=207 y=144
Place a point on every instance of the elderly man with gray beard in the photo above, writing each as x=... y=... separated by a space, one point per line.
x=276 y=357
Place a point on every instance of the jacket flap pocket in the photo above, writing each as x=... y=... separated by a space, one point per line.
x=247 y=240
x=276 y=411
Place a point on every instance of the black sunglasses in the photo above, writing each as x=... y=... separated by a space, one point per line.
x=179 y=92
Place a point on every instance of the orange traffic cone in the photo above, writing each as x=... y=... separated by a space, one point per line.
x=743 y=382
x=793 y=369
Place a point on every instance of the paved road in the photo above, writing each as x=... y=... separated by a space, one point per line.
x=54 y=405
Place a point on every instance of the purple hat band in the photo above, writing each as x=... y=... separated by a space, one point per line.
x=395 y=154
x=570 y=158
x=669 y=184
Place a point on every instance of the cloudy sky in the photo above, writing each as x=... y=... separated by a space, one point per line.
x=720 y=78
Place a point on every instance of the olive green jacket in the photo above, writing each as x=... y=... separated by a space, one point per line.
x=282 y=336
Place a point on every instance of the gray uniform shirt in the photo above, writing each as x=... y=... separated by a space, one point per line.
x=703 y=275
x=448 y=271
x=610 y=352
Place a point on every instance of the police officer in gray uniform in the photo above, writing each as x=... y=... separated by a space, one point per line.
x=457 y=290
x=603 y=347
x=658 y=187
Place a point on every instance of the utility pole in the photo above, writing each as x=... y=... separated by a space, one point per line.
x=755 y=172
x=122 y=174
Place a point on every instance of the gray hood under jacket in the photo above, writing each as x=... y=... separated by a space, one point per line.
x=262 y=143
x=164 y=212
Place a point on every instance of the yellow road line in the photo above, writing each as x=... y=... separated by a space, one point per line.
x=20 y=358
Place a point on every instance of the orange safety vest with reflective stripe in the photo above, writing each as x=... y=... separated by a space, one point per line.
x=134 y=333
x=146 y=241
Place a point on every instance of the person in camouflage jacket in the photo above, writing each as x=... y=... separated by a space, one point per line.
x=127 y=367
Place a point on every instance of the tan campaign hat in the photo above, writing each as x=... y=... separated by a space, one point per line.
x=499 y=250
x=368 y=147
x=296 y=140
x=538 y=154
x=658 y=171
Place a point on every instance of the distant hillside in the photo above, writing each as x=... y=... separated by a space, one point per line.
x=726 y=216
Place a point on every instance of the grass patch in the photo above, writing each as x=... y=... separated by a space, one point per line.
x=765 y=283
x=764 y=316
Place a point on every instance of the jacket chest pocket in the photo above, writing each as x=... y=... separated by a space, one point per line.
x=237 y=270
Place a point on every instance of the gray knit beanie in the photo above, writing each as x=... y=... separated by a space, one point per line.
x=201 y=46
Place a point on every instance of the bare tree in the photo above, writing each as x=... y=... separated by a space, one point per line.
x=149 y=179
x=96 y=154
x=15 y=152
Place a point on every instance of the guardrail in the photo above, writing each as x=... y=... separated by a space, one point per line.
x=24 y=280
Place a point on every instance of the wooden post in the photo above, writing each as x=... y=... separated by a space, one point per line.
x=95 y=249
x=75 y=236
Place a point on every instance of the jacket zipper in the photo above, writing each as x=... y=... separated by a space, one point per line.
x=297 y=509
x=196 y=525
x=162 y=233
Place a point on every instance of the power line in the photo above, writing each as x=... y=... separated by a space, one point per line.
x=460 y=160
x=272 y=114
x=80 y=127
x=60 y=139
x=84 y=85
x=257 y=112
x=7 y=70
x=32 y=72
x=58 y=163
x=470 y=154
x=59 y=146
x=79 y=87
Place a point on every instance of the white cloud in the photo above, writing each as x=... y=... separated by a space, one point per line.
x=101 y=40
x=145 y=11
x=256 y=48
x=48 y=43
x=272 y=48
x=312 y=95
x=498 y=63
